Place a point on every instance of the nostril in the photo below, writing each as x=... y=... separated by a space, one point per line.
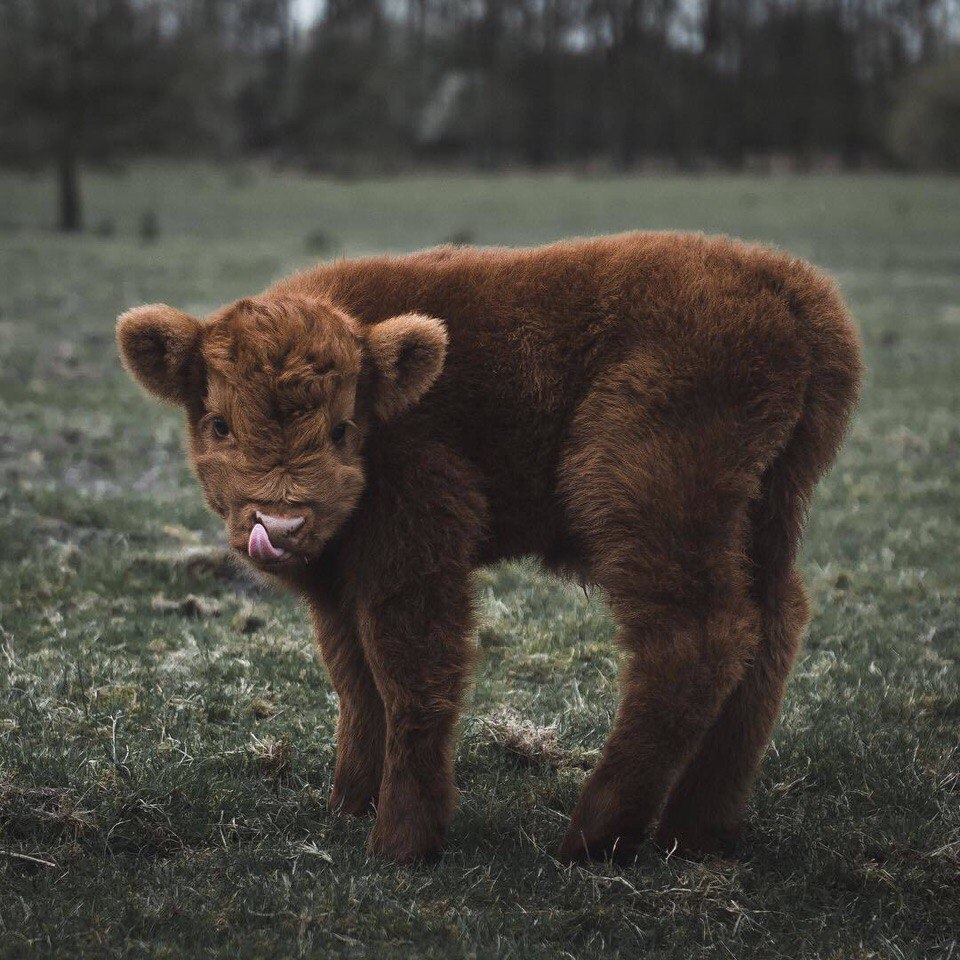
x=280 y=526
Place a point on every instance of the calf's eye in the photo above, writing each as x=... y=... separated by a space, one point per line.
x=220 y=427
x=339 y=432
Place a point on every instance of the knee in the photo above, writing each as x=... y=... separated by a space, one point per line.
x=421 y=711
x=697 y=657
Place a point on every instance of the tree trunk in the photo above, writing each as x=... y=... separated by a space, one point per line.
x=71 y=214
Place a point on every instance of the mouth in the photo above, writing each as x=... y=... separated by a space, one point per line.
x=261 y=550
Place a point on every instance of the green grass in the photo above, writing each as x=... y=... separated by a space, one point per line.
x=163 y=776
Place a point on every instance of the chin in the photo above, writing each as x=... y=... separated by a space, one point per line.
x=274 y=566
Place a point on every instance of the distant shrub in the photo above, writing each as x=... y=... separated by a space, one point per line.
x=320 y=242
x=107 y=227
x=925 y=124
x=149 y=227
x=460 y=238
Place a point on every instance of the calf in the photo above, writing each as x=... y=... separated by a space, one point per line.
x=647 y=412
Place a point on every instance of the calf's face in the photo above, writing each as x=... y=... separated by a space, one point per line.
x=280 y=394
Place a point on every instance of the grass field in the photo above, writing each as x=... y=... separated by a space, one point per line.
x=166 y=733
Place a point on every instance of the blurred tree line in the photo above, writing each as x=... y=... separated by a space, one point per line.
x=371 y=85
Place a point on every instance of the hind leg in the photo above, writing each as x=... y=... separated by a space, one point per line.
x=666 y=541
x=680 y=666
x=662 y=467
x=706 y=807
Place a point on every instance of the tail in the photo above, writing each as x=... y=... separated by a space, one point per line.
x=779 y=514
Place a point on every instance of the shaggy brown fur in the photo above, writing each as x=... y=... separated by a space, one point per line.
x=648 y=412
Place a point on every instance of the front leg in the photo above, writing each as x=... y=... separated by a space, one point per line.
x=421 y=656
x=415 y=618
x=361 y=725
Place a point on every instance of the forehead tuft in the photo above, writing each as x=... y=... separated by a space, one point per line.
x=274 y=333
x=295 y=352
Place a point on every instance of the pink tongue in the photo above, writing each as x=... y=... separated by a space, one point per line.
x=259 y=546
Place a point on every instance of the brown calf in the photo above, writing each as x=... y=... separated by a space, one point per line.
x=648 y=412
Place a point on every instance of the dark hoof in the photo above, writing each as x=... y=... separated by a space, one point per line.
x=695 y=843
x=578 y=848
x=344 y=803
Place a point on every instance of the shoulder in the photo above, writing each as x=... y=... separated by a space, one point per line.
x=424 y=504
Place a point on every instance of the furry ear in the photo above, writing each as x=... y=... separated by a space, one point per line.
x=159 y=347
x=406 y=354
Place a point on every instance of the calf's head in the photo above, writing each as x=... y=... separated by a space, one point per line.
x=280 y=394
